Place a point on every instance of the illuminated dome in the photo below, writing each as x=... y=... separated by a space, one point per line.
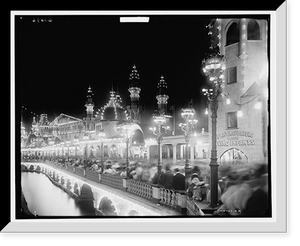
x=113 y=110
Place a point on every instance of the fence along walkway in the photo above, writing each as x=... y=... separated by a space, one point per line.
x=139 y=188
x=173 y=199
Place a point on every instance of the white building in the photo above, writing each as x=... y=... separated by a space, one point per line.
x=242 y=123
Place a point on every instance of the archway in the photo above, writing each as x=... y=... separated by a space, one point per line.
x=113 y=151
x=233 y=34
x=106 y=207
x=105 y=151
x=253 y=30
x=233 y=156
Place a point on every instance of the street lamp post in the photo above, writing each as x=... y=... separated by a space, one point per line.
x=159 y=131
x=187 y=127
x=127 y=134
x=213 y=67
x=86 y=137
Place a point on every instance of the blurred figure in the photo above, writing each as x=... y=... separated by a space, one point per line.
x=257 y=204
x=245 y=193
x=167 y=178
x=157 y=178
x=178 y=180
x=145 y=175
x=192 y=187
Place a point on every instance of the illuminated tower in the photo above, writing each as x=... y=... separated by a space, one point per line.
x=89 y=110
x=162 y=97
x=134 y=108
x=89 y=104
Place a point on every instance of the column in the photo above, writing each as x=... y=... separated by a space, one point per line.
x=181 y=151
x=168 y=151
x=160 y=152
x=174 y=153
x=192 y=152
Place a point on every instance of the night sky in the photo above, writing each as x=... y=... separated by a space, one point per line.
x=56 y=62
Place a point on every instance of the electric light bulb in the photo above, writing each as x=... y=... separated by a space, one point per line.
x=258 y=105
x=228 y=101
x=240 y=113
x=206 y=111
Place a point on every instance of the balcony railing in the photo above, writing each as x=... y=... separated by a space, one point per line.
x=112 y=180
x=139 y=188
x=168 y=197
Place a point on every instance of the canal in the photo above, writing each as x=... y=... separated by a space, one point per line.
x=46 y=199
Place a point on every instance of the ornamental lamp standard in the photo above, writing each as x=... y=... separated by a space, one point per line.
x=127 y=134
x=188 y=115
x=86 y=137
x=101 y=137
x=213 y=67
x=159 y=130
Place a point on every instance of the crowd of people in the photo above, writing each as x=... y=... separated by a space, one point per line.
x=241 y=191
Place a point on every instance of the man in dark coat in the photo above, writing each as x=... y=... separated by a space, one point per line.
x=178 y=180
x=167 y=178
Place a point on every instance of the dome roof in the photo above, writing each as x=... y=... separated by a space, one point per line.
x=113 y=110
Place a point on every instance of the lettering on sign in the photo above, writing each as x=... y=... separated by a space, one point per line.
x=235 y=138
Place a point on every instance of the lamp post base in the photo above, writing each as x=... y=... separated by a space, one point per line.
x=214 y=183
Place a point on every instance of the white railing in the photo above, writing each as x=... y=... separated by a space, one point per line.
x=168 y=197
x=139 y=188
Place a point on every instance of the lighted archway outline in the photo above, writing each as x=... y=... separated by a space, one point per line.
x=234 y=149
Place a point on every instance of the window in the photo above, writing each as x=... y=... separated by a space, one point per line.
x=253 y=31
x=233 y=34
x=232 y=120
x=231 y=75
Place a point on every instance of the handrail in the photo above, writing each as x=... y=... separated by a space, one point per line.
x=139 y=188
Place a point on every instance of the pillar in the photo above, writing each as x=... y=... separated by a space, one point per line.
x=155 y=194
x=192 y=152
x=160 y=152
x=181 y=151
x=174 y=153
x=168 y=152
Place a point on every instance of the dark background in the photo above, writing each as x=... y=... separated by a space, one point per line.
x=58 y=57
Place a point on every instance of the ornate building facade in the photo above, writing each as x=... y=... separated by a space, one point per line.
x=71 y=137
x=242 y=123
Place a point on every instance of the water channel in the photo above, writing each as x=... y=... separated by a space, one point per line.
x=46 y=199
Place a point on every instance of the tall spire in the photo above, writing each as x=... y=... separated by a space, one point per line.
x=162 y=97
x=89 y=103
x=134 y=77
x=134 y=90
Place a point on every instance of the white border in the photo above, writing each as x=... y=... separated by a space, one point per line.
x=278 y=88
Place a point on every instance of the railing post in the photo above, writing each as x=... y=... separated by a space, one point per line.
x=124 y=184
x=155 y=194
x=100 y=178
x=181 y=206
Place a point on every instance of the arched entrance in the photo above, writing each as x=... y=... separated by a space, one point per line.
x=105 y=151
x=113 y=151
x=233 y=156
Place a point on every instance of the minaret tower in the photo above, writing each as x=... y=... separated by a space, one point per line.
x=89 y=110
x=89 y=104
x=134 y=89
x=162 y=97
